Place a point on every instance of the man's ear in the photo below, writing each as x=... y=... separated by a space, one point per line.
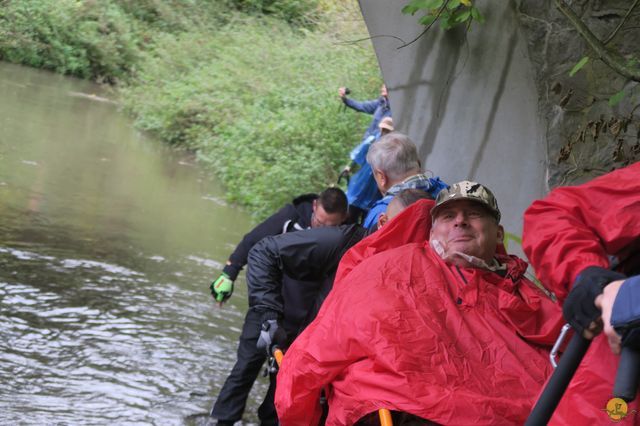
x=381 y=177
x=314 y=205
x=500 y=234
x=382 y=219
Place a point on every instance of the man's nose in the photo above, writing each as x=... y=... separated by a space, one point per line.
x=461 y=219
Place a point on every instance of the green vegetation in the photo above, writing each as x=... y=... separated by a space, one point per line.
x=260 y=106
x=450 y=13
x=251 y=85
x=68 y=36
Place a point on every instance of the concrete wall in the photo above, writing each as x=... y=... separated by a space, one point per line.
x=468 y=101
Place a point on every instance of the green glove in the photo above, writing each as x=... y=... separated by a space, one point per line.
x=222 y=288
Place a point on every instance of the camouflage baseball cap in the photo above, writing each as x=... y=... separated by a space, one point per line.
x=467 y=190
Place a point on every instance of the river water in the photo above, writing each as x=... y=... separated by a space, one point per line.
x=108 y=240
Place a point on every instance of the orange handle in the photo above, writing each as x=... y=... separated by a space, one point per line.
x=278 y=354
x=385 y=417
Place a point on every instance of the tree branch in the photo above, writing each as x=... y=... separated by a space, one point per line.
x=368 y=38
x=614 y=60
x=428 y=26
x=626 y=16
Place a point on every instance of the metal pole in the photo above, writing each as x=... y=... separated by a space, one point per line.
x=553 y=391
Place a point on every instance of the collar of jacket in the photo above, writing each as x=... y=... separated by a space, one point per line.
x=469 y=279
x=419 y=181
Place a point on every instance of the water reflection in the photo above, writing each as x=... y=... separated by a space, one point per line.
x=107 y=241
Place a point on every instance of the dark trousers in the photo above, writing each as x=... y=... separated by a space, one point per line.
x=234 y=393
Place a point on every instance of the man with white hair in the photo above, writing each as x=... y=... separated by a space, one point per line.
x=396 y=166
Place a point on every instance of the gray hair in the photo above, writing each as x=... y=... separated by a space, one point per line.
x=395 y=155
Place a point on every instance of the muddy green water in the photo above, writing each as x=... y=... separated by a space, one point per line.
x=108 y=241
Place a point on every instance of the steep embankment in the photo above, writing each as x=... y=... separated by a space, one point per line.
x=250 y=85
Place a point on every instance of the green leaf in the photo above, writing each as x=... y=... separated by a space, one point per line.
x=415 y=5
x=475 y=14
x=615 y=99
x=511 y=237
x=462 y=17
x=445 y=21
x=453 y=4
x=577 y=67
x=409 y=9
x=427 y=19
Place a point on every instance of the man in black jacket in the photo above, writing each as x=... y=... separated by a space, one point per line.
x=329 y=208
x=306 y=211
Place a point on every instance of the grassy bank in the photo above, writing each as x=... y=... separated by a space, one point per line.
x=250 y=85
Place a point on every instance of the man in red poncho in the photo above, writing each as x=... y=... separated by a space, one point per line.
x=575 y=238
x=446 y=330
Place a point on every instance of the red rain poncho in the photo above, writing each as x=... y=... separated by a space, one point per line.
x=569 y=230
x=407 y=332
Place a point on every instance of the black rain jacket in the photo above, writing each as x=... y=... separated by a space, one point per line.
x=291 y=274
x=292 y=217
